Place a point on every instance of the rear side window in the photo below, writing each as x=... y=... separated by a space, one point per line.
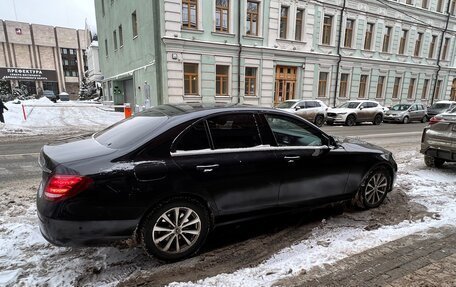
x=234 y=131
x=311 y=104
x=193 y=138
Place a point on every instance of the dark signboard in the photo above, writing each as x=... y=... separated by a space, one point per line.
x=25 y=74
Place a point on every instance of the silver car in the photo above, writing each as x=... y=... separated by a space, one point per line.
x=312 y=110
x=354 y=112
x=405 y=113
x=438 y=142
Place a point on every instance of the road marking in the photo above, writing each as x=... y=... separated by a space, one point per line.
x=19 y=154
x=389 y=135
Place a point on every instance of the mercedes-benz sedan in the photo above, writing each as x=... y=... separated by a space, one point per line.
x=172 y=173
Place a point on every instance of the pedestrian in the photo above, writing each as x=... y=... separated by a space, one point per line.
x=2 y=106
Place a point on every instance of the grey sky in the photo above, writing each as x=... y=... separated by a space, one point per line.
x=63 y=13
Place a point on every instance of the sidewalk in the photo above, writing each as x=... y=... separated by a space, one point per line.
x=415 y=260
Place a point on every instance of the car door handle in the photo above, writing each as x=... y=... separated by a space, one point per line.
x=292 y=159
x=206 y=168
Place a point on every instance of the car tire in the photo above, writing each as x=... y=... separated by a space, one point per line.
x=166 y=238
x=319 y=120
x=431 y=161
x=405 y=120
x=373 y=190
x=377 y=120
x=424 y=119
x=350 y=120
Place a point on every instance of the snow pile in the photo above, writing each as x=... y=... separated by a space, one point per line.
x=45 y=117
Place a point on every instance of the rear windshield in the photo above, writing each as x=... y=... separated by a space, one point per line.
x=441 y=106
x=129 y=131
x=285 y=105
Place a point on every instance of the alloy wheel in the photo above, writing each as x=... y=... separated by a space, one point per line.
x=176 y=230
x=376 y=188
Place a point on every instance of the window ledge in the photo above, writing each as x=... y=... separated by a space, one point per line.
x=290 y=41
x=194 y=31
x=251 y=97
x=223 y=34
x=135 y=37
x=222 y=97
x=252 y=37
x=192 y=96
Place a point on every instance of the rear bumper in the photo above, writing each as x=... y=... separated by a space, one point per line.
x=440 y=153
x=85 y=233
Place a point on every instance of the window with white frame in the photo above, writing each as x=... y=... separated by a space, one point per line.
x=222 y=80
x=322 y=84
x=327 y=28
x=222 y=15
x=250 y=81
x=191 y=72
x=252 y=19
x=190 y=14
x=299 y=23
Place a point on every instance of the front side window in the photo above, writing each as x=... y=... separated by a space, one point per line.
x=222 y=80
x=190 y=79
x=189 y=14
x=291 y=132
x=250 y=81
x=234 y=131
x=253 y=10
x=327 y=27
x=222 y=15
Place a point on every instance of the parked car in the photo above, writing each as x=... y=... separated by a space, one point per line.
x=440 y=107
x=353 y=112
x=438 y=142
x=312 y=110
x=171 y=173
x=405 y=113
x=50 y=95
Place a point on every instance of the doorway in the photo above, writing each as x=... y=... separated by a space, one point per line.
x=285 y=84
x=129 y=92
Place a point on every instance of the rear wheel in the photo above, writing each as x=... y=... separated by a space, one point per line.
x=350 y=121
x=433 y=161
x=374 y=189
x=319 y=120
x=424 y=119
x=377 y=120
x=405 y=120
x=175 y=230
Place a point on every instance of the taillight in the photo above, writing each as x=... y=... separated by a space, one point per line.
x=435 y=119
x=60 y=186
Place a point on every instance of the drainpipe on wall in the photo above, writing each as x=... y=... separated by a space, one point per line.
x=239 y=54
x=338 y=53
x=440 y=53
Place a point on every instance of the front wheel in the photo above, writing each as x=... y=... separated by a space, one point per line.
x=319 y=120
x=374 y=189
x=431 y=161
x=175 y=230
x=405 y=120
x=350 y=121
x=377 y=120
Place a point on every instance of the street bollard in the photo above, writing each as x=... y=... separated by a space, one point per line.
x=23 y=113
x=127 y=110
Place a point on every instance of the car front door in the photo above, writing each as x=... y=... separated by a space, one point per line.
x=234 y=169
x=310 y=169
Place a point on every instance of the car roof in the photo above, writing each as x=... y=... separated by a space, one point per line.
x=362 y=101
x=446 y=102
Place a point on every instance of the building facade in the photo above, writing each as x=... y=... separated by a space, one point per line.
x=262 y=52
x=39 y=57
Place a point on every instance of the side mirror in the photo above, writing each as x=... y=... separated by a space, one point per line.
x=297 y=108
x=361 y=107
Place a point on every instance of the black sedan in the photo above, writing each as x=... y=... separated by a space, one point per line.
x=170 y=174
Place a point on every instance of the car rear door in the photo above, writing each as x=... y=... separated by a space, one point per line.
x=236 y=170
x=309 y=169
